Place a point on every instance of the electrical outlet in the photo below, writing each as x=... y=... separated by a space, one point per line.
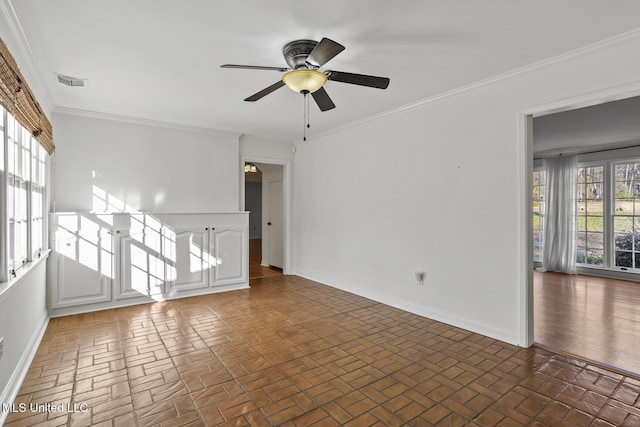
x=1 y=346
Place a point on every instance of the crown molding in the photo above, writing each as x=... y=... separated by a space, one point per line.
x=145 y=122
x=249 y=137
x=576 y=53
x=27 y=60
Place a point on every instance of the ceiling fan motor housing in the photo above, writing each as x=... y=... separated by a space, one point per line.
x=297 y=51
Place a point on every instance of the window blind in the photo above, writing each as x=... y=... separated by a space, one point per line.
x=16 y=97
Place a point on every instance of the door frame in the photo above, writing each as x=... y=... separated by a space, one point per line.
x=286 y=195
x=525 y=197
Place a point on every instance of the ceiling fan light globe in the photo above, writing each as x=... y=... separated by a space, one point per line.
x=301 y=81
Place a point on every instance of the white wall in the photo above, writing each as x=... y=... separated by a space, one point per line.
x=438 y=188
x=151 y=168
x=23 y=318
x=265 y=148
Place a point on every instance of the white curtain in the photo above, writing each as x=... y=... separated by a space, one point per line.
x=559 y=244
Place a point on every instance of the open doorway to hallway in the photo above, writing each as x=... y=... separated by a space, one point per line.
x=264 y=200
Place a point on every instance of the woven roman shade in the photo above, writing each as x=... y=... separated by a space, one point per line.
x=16 y=97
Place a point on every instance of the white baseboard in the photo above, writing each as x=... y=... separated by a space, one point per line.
x=20 y=372
x=128 y=302
x=425 y=311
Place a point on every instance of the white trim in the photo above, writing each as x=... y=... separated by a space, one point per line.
x=626 y=275
x=20 y=372
x=585 y=50
x=423 y=310
x=614 y=93
x=144 y=122
x=115 y=304
x=525 y=233
x=286 y=178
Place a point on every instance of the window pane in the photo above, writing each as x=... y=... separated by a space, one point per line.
x=595 y=257
x=582 y=222
x=595 y=223
x=622 y=224
x=624 y=241
x=626 y=221
x=582 y=192
x=538 y=210
x=25 y=176
x=590 y=215
x=623 y=259
x=595 y=241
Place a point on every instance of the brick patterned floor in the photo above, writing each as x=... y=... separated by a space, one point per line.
x=293 y=352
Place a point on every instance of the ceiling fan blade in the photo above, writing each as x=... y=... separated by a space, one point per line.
x=265 y=91
x=323 y=52
x=358 y=79
x=254 y=67
x=322 y=99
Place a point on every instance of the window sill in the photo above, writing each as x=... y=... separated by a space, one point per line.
x=631 y=276
x=6 y=288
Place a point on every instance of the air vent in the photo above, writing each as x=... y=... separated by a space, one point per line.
x=71 y=81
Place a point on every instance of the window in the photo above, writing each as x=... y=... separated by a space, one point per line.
x=626 y=216
x=17 y=177
x=607 y=212
x=538 y=213
x=25 y=179
x=590 y=216
x=38 y=180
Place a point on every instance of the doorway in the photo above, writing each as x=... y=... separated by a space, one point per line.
x=266 y=197
x=571 y=293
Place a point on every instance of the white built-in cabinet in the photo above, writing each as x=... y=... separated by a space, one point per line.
x=108 y=260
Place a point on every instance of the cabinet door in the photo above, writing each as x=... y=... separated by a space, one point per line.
x=82 y=263
x=189 y=260
x=230 y=256
x=141 y=264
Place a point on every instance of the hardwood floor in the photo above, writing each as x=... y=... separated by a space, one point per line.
x=592 y=317
x=292 y=352
x=256 y=270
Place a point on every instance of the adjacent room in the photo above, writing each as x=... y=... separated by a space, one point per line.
x=586 y=292
x=302 y=213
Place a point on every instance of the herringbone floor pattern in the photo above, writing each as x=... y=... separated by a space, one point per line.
x=293 y=352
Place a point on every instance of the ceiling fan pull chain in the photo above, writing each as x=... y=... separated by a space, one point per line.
x=308 y=112
x=305 y=110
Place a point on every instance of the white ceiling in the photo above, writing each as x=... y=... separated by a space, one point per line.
x=160 y=59
x=609 y=125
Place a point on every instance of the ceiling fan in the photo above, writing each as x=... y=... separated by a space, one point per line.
x=305 y=57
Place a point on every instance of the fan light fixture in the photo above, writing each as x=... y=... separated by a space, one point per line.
x=250 y=167
x=304 y=81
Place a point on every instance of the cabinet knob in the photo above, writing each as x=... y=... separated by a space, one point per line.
x=207 y=228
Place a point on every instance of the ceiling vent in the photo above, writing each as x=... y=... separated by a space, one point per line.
x=71 y=81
